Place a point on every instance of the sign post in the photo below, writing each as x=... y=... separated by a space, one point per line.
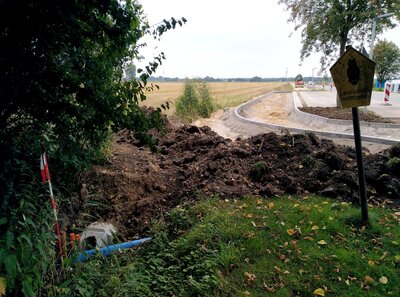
x=353 y=75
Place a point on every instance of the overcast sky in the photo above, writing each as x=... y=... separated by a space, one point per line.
x=231 y=38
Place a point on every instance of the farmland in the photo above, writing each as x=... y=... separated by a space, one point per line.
x=225 y=94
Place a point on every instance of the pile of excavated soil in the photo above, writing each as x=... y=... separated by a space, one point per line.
x=343 y=114
x=137 y=186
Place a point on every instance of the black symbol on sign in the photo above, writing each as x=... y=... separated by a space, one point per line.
x=353 y=72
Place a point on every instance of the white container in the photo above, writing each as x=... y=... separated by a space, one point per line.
x=97 y=235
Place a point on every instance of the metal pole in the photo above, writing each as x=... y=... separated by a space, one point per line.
x=360 y=165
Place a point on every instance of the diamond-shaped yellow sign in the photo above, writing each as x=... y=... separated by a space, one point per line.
x=353 y=75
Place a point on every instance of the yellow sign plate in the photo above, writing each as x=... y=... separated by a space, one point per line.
x=353 y=75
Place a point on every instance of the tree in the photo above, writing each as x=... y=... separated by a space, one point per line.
x=61 y=81
x=387 y=59
x=328 y=25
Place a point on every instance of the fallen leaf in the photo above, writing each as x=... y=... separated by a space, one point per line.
x=383 y=256
x=383 y=280
x=250 y=278
x=325 y=202
x=315 y=227
x=308 y=238
x=319 y=292
x=290 y=232
x=368 y=280
x=371 y=263
x=269 y=289
x=347 y=282
x=397 y=259
x=247 y=293
x=3 y=284
x=322 y=242
x=271 y=205
x=281 y=257
x=254 y=224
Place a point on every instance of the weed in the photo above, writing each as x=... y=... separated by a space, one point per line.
x=258 y=170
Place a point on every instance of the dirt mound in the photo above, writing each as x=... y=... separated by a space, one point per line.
x=138 y=185
x=343 y=114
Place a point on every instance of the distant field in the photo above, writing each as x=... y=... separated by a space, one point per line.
x=225 y=94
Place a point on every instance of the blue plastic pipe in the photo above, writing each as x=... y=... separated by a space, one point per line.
x=83 y=256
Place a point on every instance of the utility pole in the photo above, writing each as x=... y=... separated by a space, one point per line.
x=373 y=34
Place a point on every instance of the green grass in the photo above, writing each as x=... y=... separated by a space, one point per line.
x=257 y=247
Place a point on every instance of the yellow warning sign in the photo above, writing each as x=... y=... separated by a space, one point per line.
x=353 y=75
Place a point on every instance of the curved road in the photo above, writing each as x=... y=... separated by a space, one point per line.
x=278 y=109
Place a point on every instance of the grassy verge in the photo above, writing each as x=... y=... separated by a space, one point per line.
x=255 y=247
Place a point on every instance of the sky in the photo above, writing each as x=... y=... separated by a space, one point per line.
x=231 y=38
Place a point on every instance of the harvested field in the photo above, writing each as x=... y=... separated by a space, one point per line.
x=225 y=94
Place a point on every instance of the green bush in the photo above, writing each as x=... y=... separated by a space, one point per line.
x=62 y=64
x=195 y=102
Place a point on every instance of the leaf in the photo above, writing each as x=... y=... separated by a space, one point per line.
x=3 y=285
x=315 y=227
x=383 y=280
x=368 y=280
x=322 y=242
x=383 y=256
x=290 y=232
x=319 y=292
x=397 y=259
x=371 y=263
x=269 y=289
x=250 y=278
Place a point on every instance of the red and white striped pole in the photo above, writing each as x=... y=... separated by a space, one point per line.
x=387 y=94
x=44 y=170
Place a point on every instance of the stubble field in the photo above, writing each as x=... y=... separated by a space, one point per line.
x=225 y=94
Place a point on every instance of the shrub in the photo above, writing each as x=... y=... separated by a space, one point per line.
x=195 y=102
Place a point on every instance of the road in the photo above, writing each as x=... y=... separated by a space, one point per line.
x=277 y=109
x=328 y=98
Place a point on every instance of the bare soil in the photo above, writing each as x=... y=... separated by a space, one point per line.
x=343 y=114
x=137 y=186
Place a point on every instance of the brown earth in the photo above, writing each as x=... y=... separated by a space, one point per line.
x=135 y=186
x=343 y=114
